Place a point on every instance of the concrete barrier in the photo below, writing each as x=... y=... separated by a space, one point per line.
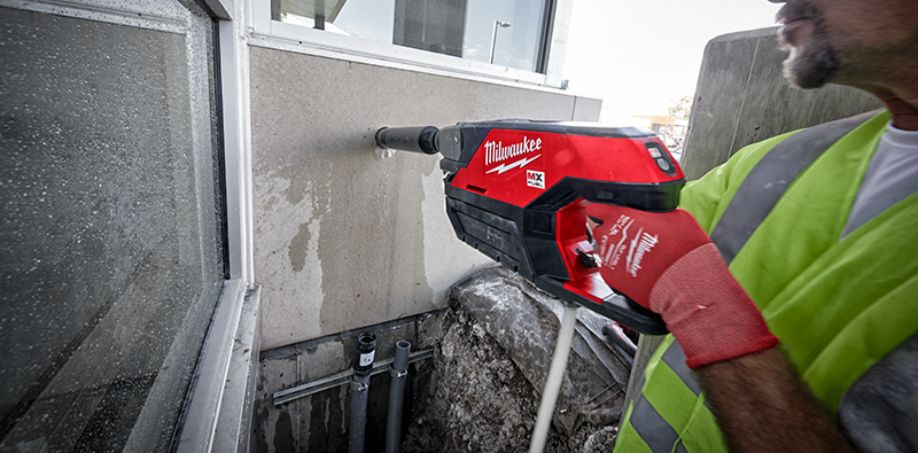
x=742 y=98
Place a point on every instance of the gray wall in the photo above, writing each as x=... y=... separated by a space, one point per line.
x=742 y=98
x=344 y=239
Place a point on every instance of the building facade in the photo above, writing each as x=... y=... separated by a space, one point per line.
x=189 y=183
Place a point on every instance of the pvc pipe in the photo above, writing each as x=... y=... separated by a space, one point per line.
x=553 y=383
x=360 y=386
x=399 y=373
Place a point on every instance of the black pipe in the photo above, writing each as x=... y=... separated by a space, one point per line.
x=360 y=386
x=399 y=373
x=622 y=345
x=421 y=139
x=366 y=352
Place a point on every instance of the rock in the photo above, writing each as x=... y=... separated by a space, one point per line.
x=601 y=441
x=493 y=358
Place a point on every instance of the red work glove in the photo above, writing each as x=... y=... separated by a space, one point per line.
x=668 y=264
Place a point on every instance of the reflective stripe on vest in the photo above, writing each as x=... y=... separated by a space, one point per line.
x=771 y=177
x=753 y=201
x=652 y=427
x=644 y=418
x=647 y=422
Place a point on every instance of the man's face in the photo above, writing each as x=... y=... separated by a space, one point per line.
x=847 y=41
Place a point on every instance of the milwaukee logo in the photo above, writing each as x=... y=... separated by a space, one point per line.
x=636 y=254
x=520 y=163
x=496 y=152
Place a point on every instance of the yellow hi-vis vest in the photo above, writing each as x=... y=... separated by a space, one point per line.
x=776 y=211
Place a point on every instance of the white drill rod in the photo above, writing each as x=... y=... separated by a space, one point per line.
x=553 y=383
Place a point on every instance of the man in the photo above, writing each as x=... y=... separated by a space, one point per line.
x=806 y=342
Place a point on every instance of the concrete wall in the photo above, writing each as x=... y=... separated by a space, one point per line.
x=742 y=98
x=344 y=239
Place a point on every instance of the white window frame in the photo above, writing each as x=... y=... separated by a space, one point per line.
x=265 y=32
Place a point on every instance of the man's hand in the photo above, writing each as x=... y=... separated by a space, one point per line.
x=667 y=263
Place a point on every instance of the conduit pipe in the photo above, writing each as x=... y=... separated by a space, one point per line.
x=553 y=383
x=399 y=374
x=360 y=386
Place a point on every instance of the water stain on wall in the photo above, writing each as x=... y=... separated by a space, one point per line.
x=283 y=433
x=299 y=246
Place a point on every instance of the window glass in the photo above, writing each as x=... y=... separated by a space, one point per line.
x=111 y=239
x=503 y=32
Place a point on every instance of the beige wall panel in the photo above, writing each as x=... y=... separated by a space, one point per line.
x=344 y=239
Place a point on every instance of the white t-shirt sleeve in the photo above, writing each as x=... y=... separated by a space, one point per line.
x=891 y=177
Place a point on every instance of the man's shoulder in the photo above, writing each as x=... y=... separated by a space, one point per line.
x=707 y=197
x=819 y=135
x=822 y=135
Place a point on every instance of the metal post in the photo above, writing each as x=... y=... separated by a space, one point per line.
x=360 y=386
x=399 y=373
x=494 y=38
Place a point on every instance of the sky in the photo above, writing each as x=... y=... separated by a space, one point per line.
x=639 y=56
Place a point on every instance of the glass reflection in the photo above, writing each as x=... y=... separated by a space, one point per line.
x=460 y=28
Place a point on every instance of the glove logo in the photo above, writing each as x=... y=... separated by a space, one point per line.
x=612 y=255
x=637 y=251
x=634 y=250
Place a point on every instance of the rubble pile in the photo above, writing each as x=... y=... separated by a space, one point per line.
x=493 y=356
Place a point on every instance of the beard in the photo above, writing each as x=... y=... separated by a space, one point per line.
x=813 y=64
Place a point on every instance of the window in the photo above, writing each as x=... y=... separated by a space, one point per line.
x=112 y=237
x=503 y=38
x=503 y=32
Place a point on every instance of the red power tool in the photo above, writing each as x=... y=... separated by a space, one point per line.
x=517 y=190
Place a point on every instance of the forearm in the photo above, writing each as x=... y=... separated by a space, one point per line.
x=761 y=405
